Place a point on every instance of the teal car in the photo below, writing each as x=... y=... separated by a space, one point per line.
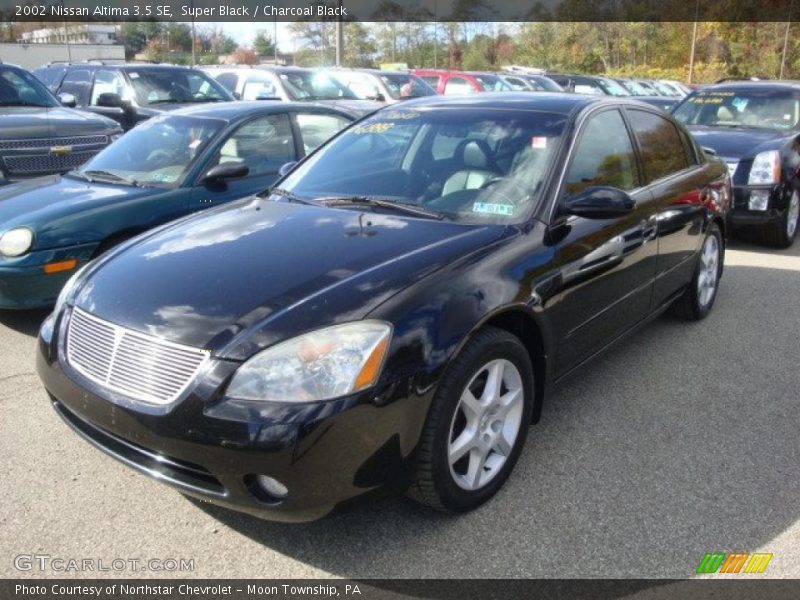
x=168 y=167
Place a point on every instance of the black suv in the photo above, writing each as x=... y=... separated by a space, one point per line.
x=39 y=136
x=130 y=93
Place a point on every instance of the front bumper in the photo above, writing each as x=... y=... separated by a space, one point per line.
x=327 y=454
x=742 y=216
x=24 y=283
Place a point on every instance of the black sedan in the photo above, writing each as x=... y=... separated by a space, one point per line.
x=753 y=126
x=390 y=317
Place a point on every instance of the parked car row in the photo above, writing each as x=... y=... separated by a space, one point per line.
x=337 y=300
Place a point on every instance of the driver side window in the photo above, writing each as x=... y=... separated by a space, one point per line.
x=106 y=82
x=603 y=155
x=263 y=144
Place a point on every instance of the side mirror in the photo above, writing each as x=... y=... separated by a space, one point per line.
x=378 y=97
x=286 y=168
x=600 y=202
x=711 y=152
x=230 y=170
x=110 y=100
x=237 y=95
x=67 y=100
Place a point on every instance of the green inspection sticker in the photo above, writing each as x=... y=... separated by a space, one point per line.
x=505 y=210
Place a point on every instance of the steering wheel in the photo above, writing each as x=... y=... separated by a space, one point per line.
x=517 y=186
x=159 y=155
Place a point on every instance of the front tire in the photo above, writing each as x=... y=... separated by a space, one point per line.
x=477 y=423
x=782 y=232
x=698 y=298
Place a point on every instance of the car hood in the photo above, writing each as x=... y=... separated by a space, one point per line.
x=242 y=277
x=734 y=143
x=32 y=122
x=43 y=203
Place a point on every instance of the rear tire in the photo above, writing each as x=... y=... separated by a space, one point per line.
x=698 y=298
x=477 y=424
x=782 y=232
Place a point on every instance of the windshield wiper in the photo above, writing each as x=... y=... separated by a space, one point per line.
x=168 y=101
x=285 y=194
x=94 y=174
x=412 y=209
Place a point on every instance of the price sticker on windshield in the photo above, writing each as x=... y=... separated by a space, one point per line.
x=372 y=128
x=486 y=208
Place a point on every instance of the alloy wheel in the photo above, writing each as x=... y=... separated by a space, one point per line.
x=486 y=424
x=791 y=218
x=709 y=271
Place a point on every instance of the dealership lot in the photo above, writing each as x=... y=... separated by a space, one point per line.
x=680 y=441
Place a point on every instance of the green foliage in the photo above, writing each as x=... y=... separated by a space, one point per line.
x=263 y=45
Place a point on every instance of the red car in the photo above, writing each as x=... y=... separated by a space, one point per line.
x=461 y=82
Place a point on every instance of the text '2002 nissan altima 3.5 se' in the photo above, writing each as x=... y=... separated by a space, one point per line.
x=389 y=317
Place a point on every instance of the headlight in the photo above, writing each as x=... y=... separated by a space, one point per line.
x=766 y=168
x=320 y=365
x=16 y=242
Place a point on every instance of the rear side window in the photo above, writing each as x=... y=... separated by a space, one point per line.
x=663 y=152
x=603 y=155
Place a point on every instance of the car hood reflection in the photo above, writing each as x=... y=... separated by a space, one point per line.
x=245 y=276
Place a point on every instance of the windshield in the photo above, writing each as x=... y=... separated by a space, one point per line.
x=612 y=88
x=315 y=85
x=545 y=84
x=178 y=86
x=157 y=152
x=472 y=165
x=402 y=85
x=20 y=88
x=634 y=88
x=663 y=89
x=492 y=83
x=761 y=108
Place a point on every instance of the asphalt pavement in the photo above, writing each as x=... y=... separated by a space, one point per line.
x=683 y=439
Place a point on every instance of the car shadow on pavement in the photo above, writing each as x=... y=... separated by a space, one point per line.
x=679 y=441
x=26 y=322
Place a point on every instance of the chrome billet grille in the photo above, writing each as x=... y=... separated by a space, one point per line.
x=139 y=366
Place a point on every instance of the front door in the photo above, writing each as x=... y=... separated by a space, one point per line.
x=606 y=266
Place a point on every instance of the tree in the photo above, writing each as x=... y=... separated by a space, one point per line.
x=263 y=45
x=244 y=56
x=135 y=36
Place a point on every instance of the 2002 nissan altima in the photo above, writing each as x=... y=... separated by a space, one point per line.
x=390 y=316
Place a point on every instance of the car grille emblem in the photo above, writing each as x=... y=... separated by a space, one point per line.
x=60 y=150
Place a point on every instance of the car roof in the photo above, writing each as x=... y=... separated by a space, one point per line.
x=785 y=85
x=231 y=111
x=554 y=102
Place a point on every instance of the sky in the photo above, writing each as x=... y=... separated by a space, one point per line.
x=244 y=33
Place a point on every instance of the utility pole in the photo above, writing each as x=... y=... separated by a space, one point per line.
x=694 y=40
x=435 y=35
x=275 y=42
x=786 y=39
x=194 y=57
x=339 y=37
x=66 y=36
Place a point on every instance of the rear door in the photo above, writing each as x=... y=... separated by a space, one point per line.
x=264 y=144
x=677 y=182
x=606 y=266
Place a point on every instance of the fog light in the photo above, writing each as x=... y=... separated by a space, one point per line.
x=759 y=200
x=272 y=486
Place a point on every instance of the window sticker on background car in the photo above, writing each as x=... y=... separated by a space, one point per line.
x=372 y=128
x=505 y=210
x=538 y=142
